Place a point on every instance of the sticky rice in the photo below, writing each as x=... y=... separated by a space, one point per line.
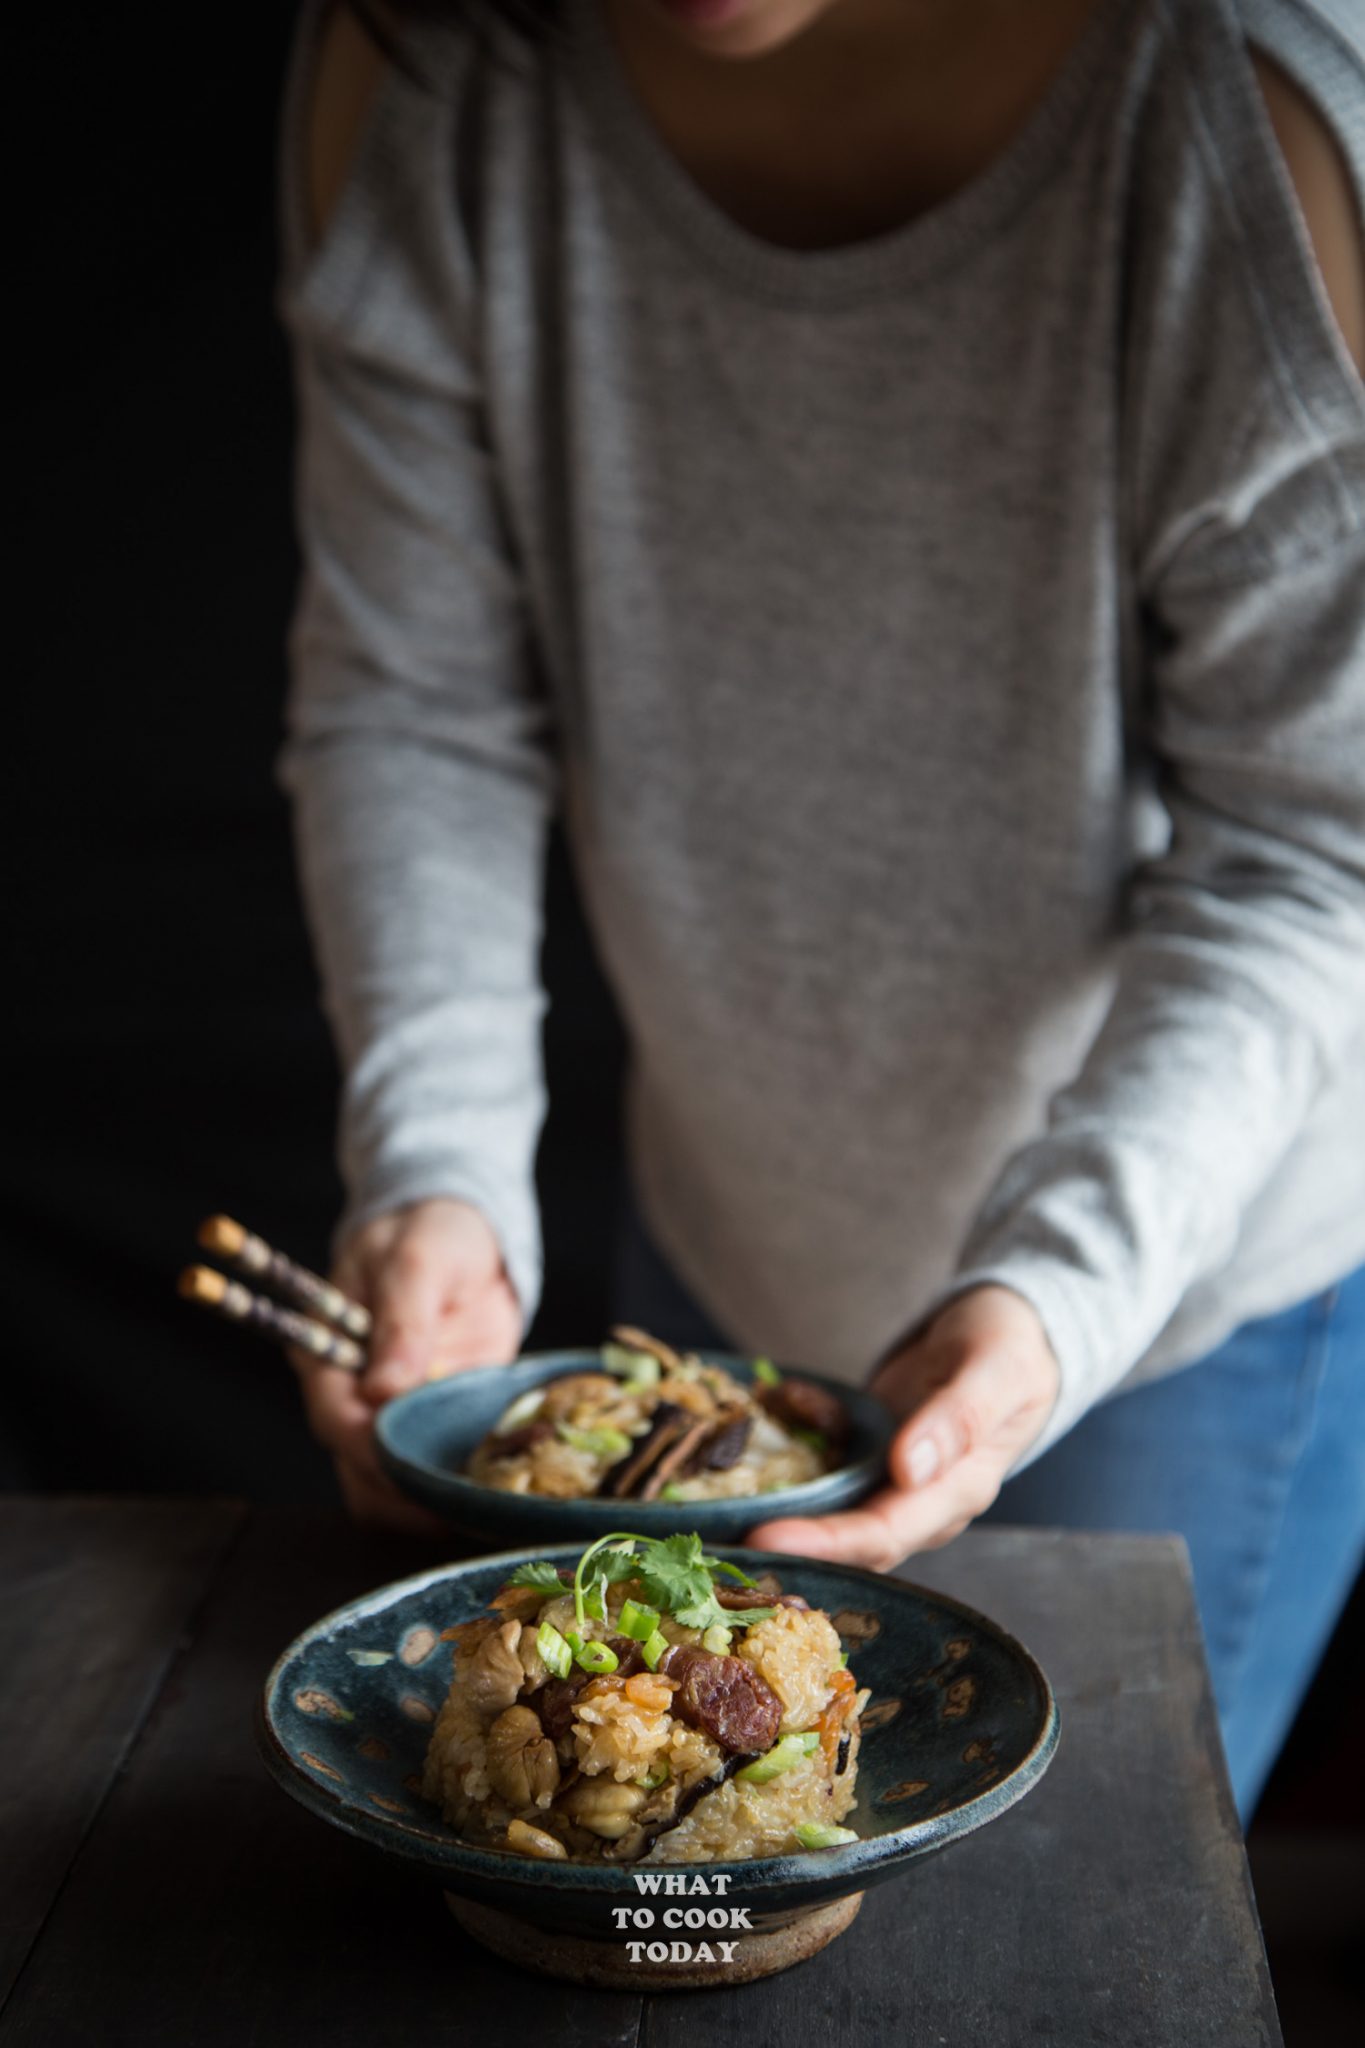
x=739 y=1738
x=658 y=1424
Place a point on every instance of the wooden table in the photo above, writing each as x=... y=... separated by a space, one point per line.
x=158 y=1891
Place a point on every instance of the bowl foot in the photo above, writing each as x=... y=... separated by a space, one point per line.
x=608 y=1965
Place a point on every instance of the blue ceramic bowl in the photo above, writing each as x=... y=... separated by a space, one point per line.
x=961 y=1724
x=425 y=1438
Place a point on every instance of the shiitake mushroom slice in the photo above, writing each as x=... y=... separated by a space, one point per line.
x=621 y=1480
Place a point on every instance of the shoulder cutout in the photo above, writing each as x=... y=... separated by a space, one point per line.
x=1322 y=179
x=349 y=68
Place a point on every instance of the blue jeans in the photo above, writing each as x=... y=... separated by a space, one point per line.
x=1255 y=1455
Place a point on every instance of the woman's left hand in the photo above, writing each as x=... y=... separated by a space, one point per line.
x=976 y=1389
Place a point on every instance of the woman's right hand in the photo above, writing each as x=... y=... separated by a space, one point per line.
x=433 y=1279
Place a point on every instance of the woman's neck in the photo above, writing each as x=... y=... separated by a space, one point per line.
x=878 y=111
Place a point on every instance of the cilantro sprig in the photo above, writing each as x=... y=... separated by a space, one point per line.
x=675 y=1572
x=536 y=1572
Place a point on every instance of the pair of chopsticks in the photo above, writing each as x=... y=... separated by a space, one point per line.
x=334 y=1331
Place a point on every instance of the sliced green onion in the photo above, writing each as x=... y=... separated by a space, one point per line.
x=595 y=1656
x=556 y=1654
x=815 y=1438
x=641 y=1368
x=595 y=1601
x=595 y=1443
x=716 y=1639
x=521 y=1410
x=818 y=1834
x=843 y=1660
x=653 y=1650
x=574 y=1640
x=673 y=1491
x=657 y=1774
x=767 y=1375
x=637 y=1621
x=789 y=1750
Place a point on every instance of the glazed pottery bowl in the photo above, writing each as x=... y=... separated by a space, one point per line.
x=961 y=1725
x=425 y=1438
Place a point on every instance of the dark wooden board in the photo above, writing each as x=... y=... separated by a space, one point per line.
x=94 y=1596
x=207 y=1908
x=1112 y=1907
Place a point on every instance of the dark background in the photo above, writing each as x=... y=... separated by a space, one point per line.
x=170 y=1057
x=166 y=1054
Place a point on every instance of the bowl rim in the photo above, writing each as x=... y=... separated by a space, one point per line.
x=868 y=1413
x=855 y=1860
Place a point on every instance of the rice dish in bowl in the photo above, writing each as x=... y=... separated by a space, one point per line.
x=960 y=1725
x=646 y=1422
x=660 y=1707
x=433 y=1440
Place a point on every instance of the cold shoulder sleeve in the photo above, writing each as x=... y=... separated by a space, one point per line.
x=419 y=755
x=1241 y=978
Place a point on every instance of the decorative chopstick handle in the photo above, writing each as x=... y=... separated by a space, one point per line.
x=229 y=1298
x=263 y=1262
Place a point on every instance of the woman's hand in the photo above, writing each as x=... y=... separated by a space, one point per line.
x=433 y=1279
x=976 y=1388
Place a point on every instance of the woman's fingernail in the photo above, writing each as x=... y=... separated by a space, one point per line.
x=923 y=1461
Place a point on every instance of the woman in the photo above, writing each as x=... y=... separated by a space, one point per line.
x=894 y=471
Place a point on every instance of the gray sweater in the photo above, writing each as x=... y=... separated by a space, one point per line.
x=948 y=652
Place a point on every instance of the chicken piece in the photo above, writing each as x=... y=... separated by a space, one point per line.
x=653 y=1347
x=560 y=1473
x=693 y=1395
x=564 y=1395
x=518 y=1603
x=530 y=1659
x=522 y=1765
x=494 y=1674
x=513 y=1442
x=607 y=1809
x=535 y=1842
x=466 y=1635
